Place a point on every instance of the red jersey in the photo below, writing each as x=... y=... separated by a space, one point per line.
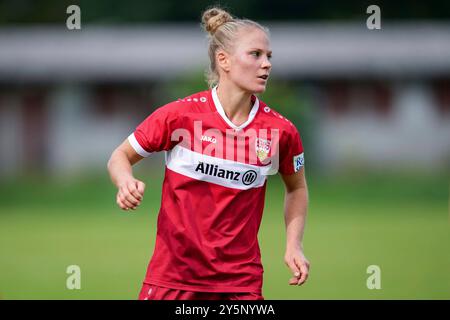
x=213 y=190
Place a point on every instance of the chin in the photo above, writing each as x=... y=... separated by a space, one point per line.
x=259 y=89
x=255 y=89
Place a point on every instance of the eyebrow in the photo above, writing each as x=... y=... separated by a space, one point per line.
x=269 y=52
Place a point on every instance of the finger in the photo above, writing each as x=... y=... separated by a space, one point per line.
x=303 y=265
x=304 y=275
x=300 y=261
x=128 y=204
x=124 y=192
x=133 y=191
x=130 y=198
x=295 y=270
x=293 y=281
x=140 y=188
x=120 y=204
x=302 y=279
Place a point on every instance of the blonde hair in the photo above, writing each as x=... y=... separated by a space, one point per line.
x=222 y=29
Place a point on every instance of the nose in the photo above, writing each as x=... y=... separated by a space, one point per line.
x=266 y=63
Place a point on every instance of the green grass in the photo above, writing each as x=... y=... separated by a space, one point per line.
x=398 y=222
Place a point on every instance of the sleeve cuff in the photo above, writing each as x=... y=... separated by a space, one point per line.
x=137 y=147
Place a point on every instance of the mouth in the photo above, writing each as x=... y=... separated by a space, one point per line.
x=264 y=77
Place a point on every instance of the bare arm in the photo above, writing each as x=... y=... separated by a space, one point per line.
x=295 y=208
x=130 y=190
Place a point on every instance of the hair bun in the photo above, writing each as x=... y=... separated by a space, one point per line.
x=213 y=18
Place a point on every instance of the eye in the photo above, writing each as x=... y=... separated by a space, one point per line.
x=269 y=56
x=255 y=53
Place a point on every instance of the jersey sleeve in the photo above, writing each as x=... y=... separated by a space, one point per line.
x=154 y=133
x=291 y=152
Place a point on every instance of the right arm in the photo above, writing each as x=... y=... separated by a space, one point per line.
x=151 y=135
x=130 y=190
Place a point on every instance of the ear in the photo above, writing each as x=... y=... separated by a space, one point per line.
x=223 y=60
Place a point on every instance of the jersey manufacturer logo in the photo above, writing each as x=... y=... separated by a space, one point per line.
x=262 y=147
x=209 y=139
x=298 y=162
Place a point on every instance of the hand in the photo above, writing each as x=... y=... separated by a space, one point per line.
x=299 y=265
x=130 y=194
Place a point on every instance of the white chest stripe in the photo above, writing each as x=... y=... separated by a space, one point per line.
x=219 y=171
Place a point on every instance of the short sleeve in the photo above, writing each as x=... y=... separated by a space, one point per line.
x=291 y=152
x=154 y=133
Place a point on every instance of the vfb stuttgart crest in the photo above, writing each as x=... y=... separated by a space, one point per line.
x=262 y=147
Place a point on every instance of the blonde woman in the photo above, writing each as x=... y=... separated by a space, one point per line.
x=220 y=144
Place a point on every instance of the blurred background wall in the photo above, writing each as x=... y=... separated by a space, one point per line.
x=366 y=98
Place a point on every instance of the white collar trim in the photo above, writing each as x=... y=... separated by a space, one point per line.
x=221 y=111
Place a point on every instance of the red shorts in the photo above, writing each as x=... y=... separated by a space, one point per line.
x=152 y=292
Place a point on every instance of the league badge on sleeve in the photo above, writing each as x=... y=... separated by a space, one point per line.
x=298 y=162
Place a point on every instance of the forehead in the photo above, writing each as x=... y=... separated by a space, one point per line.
x=253 y=38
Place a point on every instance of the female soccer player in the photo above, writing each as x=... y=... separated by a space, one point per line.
x=220 y=144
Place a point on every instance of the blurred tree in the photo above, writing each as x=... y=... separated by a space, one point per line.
x=144 y=11
x=32 y=12
x=295 y=101
x=184 y=85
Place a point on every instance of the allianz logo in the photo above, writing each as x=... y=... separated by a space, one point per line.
x=247 y=178
x=208 y=139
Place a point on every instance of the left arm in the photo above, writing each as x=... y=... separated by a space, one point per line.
x=295 y=208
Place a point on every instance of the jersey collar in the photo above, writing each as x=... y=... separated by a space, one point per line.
x=221 y=111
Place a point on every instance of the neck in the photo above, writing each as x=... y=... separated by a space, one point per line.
x=235 y=102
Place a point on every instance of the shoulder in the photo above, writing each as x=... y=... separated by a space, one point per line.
x=195 y=102
x=276 y=120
